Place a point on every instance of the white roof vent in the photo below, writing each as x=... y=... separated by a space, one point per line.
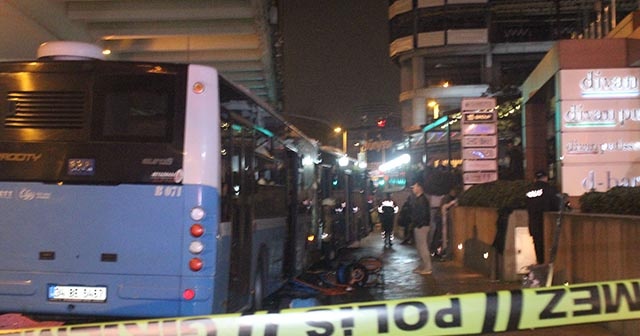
x=69 y=50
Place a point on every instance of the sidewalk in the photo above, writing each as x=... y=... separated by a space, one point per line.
x=399 y=280
x=448 y=278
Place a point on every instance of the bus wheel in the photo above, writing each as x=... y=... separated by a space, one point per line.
x=258 y=287
x=358 y=275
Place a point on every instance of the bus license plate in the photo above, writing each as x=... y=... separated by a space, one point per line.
x=77 y=293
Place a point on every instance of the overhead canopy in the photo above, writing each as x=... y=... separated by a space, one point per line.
x=235 y=36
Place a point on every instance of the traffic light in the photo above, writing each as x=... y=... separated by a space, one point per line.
x=381 y=123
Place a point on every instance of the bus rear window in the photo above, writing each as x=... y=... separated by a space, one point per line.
x=136 y=109
x=138 y=114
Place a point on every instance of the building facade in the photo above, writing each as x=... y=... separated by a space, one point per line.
x=448 y=50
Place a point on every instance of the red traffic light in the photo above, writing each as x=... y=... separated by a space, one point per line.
x=381 y=123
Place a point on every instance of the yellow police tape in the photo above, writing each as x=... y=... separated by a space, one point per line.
x=462 y=314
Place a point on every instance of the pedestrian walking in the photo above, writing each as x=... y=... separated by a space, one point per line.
x=388 y=210
x=541 y=196
x=421 y=219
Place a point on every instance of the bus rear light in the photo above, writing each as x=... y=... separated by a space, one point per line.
x=197 y=213
x=198 y=87
x=195 y=264
x=189 y=294
x=197 y=230
x=196 y=247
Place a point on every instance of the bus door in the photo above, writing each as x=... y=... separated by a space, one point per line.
x=238 y=146
x=295 y=243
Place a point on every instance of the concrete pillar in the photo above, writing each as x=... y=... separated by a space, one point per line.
x=535 y=133
x=406 y=76
x=419 y=114
x=412 y=80
x=490 y=76
x=407 y=114
x=419 y=111
x=418 y=72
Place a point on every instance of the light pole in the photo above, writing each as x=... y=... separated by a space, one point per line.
x=336 y=129
x=339 y=130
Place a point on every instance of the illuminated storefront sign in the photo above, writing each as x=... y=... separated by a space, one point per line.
x=479 y=129
x=479 y=153
x=377 y=145
x=600 y=83
x=599 y=119
x=479 y=141
x=581 y=178
x=589 y=147
x=622 y=114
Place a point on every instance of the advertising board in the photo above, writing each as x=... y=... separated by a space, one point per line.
x=479 y=177
x=578 y=179
x=480 y=116
x=591 y=147
x=480 y=153
x=479 y=165
x=478 y=104
x=479 y=129
x=578 y=84
x=479 y=141
x=598 y=113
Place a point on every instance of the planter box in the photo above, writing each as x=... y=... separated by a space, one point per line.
x=591 y=248
x=595 y=247
x=474 y=232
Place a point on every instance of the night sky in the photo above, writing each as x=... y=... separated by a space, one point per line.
x=336 y=63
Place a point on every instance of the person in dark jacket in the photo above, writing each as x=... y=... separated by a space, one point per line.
x=421 y=220
x=541 y=197
x=404 y=221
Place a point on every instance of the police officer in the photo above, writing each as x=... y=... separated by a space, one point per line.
x=541 y=197
x=388 y=210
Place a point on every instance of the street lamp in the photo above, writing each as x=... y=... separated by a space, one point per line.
x=343 y=161
x=339 y=130
x=436 y=108
x=336 y=130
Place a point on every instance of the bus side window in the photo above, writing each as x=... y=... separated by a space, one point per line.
x=264 y=177
x=226 y=191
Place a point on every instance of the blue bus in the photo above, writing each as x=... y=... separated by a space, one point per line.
x=345 y=201
x=137 y=189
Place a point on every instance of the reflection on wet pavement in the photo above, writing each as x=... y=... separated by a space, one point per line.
x=447 y=278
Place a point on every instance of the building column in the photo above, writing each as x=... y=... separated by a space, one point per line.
x=419 y=111
x=417 y=63
x=406 y=76
x=418 y=104
x=411 y=81
x=535 y=138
